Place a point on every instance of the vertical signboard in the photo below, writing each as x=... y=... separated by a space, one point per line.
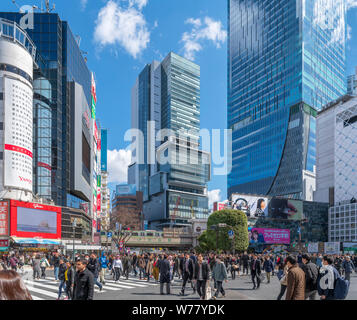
x=94 y=97
x=4 y=218
x=18 y=120
x=104 y=150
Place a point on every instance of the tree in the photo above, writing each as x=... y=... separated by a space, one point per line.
x=237 y=220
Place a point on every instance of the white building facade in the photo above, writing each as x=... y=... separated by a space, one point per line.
x=17 y=58
x=337 y=166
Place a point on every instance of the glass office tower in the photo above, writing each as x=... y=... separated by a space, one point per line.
x=62 y=62
x=167 y=93
x=286 y=59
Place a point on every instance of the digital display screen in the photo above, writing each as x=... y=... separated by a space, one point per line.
x=36 y=221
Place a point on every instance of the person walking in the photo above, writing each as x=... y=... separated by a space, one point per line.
x=187 y=273
x=55 y=263
x=327 y=278
x=283 y=282
x=295 y=280
x=117 y=267
x=201 y=276
x=141 y=264
x=61 y=271
x=149 y=267
x=93 y=266
x=83 y=287
x=245 y=262
x=36 y=267
x=165 y=277
x=311 y=274
x=255 y=271
x=69 y=280
x=219 y=273
x=13 y=262
x=44 y=265
x=268 y=267
x=103 y=267
x=126 y=266
x=348 y=267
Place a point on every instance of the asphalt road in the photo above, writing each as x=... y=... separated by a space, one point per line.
x=135 y=289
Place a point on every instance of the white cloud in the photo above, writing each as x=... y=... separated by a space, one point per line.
x=331 y=15
x=124 y=26
x=84 y=4
x=139 y=3
x=213 y=196
x=118 y=162
x=206 y=30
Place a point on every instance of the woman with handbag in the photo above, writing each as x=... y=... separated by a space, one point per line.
x=43 y=265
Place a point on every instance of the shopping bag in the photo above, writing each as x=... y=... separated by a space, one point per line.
x=208 y=293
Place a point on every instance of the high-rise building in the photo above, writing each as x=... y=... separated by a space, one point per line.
x=166 y=95
x=17 y=60
x=286 y=59
x=352 y=83
x=105 y=192
x=62 y=90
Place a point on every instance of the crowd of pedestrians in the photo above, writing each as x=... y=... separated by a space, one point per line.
x=301 y=276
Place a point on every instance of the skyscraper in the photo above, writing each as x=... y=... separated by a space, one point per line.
x=64 y=114
x=352 y=83
x=286 y=59
x=168 y=95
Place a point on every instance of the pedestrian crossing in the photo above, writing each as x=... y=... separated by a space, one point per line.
x=47 y=289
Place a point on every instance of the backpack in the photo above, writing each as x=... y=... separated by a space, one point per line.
x=341 y=288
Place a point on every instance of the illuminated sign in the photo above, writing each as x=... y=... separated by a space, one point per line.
x=4 y=218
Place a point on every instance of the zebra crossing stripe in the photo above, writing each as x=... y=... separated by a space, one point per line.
x=43 y=292
x=36 y=298
x=43 y=285
x=115 y=285
x=126 y=282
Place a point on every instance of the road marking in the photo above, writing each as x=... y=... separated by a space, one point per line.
x=36 y=298
x=43 y=292
x=127 y=282
x=116 y=285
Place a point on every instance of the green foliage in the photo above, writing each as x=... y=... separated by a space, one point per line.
x=238 y=220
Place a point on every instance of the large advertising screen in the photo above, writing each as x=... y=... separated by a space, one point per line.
x=332 y=248
x=285 y=209
x=18 y=118
x=350 y=247
x=126 y=189
x=252 y=206
x=269 y=236
x=31 y=220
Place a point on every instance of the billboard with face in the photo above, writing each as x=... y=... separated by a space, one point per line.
x=269 y=236
x=252 y=206
x=285 y=209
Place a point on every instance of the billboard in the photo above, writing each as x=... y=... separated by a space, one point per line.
x=285 y=209
x=350 y=247
x=4 y=218
x=126 y=189
x=252 y=206
x=104 y=150
x=18 y=118
x=269 y=236
x=31 y=220
x=332 y=248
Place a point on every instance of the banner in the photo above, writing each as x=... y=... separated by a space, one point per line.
x=313 y=247
x=4 y=218
x=18 y=135
x=332 y=248
x=269 y=236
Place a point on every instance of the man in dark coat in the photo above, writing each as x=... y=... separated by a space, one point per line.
x=311 y=274
x=255 y=271
x=201 y=276
x=187 y=273
x=83 y=288
x=94 y=267
x=245 y=262
x=164 y=270
x=126 y=266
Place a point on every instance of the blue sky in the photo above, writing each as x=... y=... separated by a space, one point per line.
x=116 y=55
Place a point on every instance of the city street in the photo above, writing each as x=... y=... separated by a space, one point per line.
x=135 y=289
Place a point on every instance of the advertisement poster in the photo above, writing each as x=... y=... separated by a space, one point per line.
x=18 y=118
x=313 y=247
x=218 y=206
x=4 y=218
x=269 y=236
x=252 y=206
x=285 y=209
x=332 y=248
x=37 y=221
x=350 y=247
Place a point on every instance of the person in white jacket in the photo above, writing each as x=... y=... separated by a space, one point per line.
x=118 y=268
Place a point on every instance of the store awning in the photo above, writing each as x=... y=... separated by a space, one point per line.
x=36 y=241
